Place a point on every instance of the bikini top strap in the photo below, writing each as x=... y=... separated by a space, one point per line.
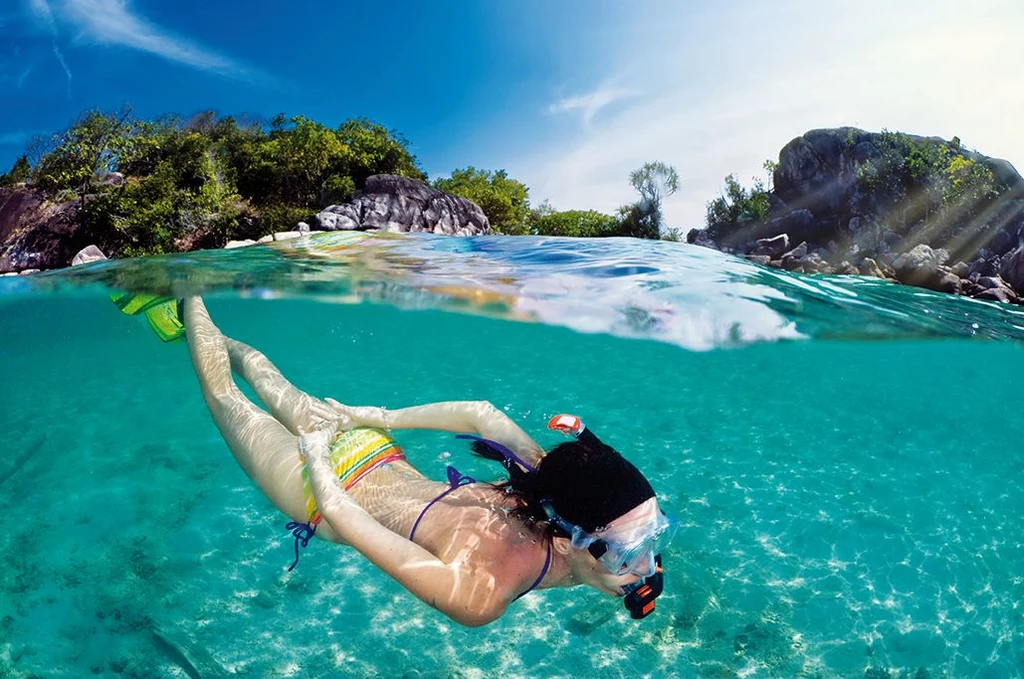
x=543 y=572
x=455 y=480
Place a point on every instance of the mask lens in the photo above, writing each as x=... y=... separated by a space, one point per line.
x=638 y=557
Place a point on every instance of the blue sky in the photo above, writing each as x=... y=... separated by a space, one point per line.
x=568 y=96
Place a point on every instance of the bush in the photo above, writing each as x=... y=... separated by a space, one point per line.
x=737 y=207
x=505 y=201
x=575 y=223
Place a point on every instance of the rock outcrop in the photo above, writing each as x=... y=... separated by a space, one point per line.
x=842 y=204
x=393 y=203
x=35 y=233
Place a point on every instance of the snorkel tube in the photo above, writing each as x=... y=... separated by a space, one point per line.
x=640 y=595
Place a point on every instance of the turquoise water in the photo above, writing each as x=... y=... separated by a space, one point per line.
x=843 y=455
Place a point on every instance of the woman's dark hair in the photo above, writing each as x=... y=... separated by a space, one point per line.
x=585 y=481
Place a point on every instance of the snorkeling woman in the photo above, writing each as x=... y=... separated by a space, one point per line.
x=580 y=514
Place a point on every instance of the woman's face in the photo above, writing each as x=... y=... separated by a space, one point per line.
x=627 y=529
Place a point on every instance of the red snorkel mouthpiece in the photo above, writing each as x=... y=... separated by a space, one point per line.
x=640 y=596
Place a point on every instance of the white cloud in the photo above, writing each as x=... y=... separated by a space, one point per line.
x=729 y=90
x=40 y=9
x=112 y=22
x=592 y=102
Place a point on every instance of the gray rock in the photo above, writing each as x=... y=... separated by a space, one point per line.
x=392 y=203
x=286 y=235
x=813 y=263
x=991 y=282
x=920 y=266
x=302 y=227
x=764 y=260
x=814 y=174
x=773 y=247
x=88 y=254
x=982 y=267
x=869 y=267
x=112 y=179
x=232 y=244
x=948 y=282
x=38 y=234
x=797 y=252
x=997 y=295
x=1011 y=268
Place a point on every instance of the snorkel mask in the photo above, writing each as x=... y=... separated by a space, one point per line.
x=640 y=557
x=638 y=552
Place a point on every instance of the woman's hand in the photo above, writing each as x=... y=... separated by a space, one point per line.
x=330 y=412
x=316 y=444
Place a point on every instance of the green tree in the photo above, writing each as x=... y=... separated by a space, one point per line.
x=371 y=149
x=90 y=148
x=737 y=206
x=654 y=182
x=505 y=201
x=18 y=173
x=928 y=190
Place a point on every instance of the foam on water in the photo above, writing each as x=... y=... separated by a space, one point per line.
x=848 y=506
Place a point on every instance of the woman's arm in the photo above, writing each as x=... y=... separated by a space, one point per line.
x=469 y=595
x=461 y=417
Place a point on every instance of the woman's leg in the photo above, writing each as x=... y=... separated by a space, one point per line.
x=265 y=449
x=295 y=409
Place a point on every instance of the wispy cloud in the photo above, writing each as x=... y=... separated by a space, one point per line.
x=40 y=9
x=591 y=102
x=23 y=76
x=112 y=22
x=115 y=23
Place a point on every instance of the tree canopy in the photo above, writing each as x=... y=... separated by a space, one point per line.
x=19 y=172
x=737 y=206
x=201 y=181
x=504 y=200
x=654 y=181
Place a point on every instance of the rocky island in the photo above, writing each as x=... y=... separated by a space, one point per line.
x=919 y=210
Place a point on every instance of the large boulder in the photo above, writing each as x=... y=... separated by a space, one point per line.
x=920 y=266
x=773 y=247
x=88 y=255
x=37 y=234
x=817 y=171
x=393 y=203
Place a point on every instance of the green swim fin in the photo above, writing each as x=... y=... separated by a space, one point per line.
x=161 y=312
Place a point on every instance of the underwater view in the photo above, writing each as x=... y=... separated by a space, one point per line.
x=842 y=455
